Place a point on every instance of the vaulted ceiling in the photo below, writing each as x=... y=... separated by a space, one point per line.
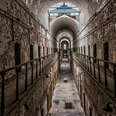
x=64 y=23
x=87 y=6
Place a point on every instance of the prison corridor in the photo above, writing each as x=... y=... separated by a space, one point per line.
x=65 y=100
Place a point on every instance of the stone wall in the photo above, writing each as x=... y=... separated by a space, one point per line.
x=18 y=25
x=101 y=28
x=37 y=100
x=92 y=96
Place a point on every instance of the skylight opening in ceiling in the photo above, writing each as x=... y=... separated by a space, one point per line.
x=64 y=8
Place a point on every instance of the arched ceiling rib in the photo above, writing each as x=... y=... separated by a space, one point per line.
x=87 y=7
x=64 y=22
x=65 y=38
x=64 y=33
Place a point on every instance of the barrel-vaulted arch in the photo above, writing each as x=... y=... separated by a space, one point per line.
x=66 y=43
x=64 y=34
x=87 y=7
x=64 y=22
x=65 y=39
x=64 y=25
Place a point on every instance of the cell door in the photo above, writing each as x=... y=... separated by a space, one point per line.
x=42 y=112
x=43 y=51
x=31 y=52
x=88 y=50
x=84 y=101
x=84 y=50
x=90 y=112
x=106 y=53
x=94 y=52
x=81 y=50
x=39 y=51
x=47 y=51
x=17 y=54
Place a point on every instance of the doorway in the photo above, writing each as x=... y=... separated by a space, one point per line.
x=31 y=52
x=18 y=55
x=94 y=52
x=88 y=50
x=90 y=112
x=106 y=53
x=84 y=102
x=84 y=50
x=39 y=51
x=42 y=112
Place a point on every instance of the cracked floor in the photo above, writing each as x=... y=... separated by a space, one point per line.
x=66 y=92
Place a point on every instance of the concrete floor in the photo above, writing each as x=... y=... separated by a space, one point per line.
x=66 y=92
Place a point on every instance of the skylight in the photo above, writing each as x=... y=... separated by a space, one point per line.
x=64 y=8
